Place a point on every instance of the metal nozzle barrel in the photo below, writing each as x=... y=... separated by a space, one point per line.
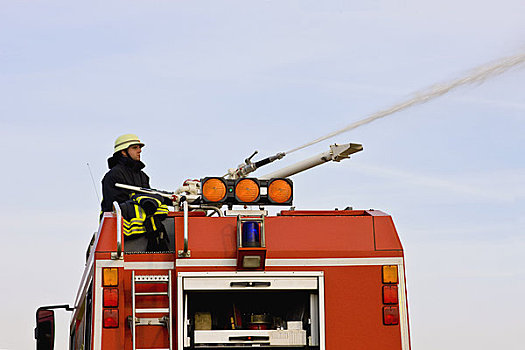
x=336 y=153
x=269 y=160
x=249 y=167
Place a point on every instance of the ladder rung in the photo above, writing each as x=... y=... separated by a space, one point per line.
x=163 y=321
x=152 y=293
x=152 y=311
x=151 y=278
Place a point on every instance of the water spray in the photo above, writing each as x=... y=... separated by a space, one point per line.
x=476 y=75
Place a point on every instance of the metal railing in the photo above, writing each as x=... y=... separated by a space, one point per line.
x=185 y=253
x=118 y=254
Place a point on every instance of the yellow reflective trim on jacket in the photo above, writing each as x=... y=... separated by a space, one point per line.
x=131 y=228
x=162 y=210
x=139 y=213
x=135 y=225
x=153 y=224
x=140 y=198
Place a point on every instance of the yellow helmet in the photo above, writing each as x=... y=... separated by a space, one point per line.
x=124 y=141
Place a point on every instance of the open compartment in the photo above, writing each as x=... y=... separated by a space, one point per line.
x=261 y=310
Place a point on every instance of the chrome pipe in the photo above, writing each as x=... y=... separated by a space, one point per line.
x=185 y=207
x=116 y=209
x=207 y=207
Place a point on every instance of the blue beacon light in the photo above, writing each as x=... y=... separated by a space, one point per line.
x=250 y=234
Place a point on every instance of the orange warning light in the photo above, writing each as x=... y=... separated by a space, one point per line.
x=109 y=276
x=214 y=190
x=279 y=191
x=247 y=190
x=390 y=274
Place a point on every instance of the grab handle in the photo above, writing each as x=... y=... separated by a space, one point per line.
x=250 y=284
x=118 y=254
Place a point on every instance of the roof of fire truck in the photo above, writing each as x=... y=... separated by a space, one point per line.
x=290 y=234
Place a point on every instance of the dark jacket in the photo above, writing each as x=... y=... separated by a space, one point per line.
x=123 y=170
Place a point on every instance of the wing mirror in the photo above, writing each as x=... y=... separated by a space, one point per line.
x=45 y=326
x=45 y=329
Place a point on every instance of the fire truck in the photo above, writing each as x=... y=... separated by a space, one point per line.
x=237 y=277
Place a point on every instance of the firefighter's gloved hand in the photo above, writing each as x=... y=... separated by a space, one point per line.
x=149 y=207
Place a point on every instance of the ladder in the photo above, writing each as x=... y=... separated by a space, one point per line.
x=165 y=320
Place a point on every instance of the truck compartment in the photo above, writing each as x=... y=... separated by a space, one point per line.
x=252 y=311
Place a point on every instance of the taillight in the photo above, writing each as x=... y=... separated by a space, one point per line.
x=110 y=318
x=390 y=294
x=110 y=277
x=110 y=297
x=390 y=274
x=390 y=315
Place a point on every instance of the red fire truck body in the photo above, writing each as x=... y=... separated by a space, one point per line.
x=320 y=280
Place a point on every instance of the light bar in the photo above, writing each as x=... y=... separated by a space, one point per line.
x=248 y=191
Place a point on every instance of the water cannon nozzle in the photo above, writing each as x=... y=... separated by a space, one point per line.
x=340 y=152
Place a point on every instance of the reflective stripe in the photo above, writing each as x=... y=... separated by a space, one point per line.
x=133 y=228
x=139 y=213
x=153 y=224
x=139 y=198
x=162 y=210
x=136 y=225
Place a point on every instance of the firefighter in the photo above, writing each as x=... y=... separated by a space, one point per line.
x=125 y=167
x=142 y=214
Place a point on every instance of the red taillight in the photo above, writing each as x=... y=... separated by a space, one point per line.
x=390 y=295
x=110 y=318
x=390 y=315
x=110 y=297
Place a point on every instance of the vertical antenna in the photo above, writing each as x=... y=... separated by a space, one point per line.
x=93 y=180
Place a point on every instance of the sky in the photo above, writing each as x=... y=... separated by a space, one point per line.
x=205 y=83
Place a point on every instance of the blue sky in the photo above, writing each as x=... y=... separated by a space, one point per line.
x=205 y=83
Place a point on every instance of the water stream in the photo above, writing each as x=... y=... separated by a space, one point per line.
x=476 y=75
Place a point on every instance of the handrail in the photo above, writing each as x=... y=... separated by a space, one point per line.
x=185 y=207
x=207 y=207
x=118 y=254
x=185 y=253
